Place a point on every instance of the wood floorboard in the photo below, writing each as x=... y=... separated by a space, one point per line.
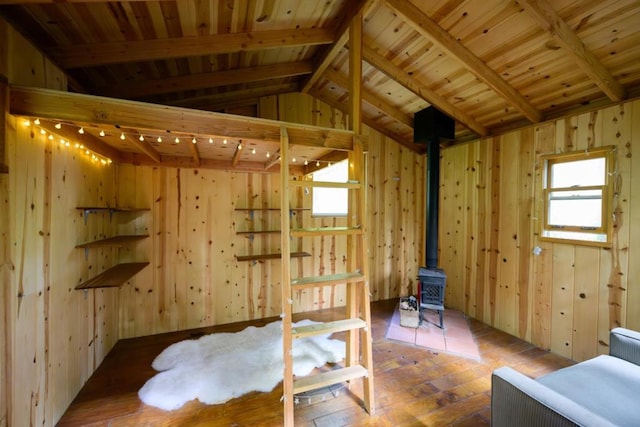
x=413 y=386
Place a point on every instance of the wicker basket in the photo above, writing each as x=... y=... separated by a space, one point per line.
x=409 y=318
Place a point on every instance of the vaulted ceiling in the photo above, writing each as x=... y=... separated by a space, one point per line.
x=491 y=65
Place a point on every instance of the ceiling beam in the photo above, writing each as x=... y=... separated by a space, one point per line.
x=93 y=54
x=544 y=14
x=375 y=101
x=92 y=143
x=430 y=29
x=143 y=146
x=411 y=83
x=65 y=106
x=326 y=57
x=371 y=123
x=140 y=89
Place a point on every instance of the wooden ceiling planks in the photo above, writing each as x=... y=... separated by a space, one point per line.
x=490 y=64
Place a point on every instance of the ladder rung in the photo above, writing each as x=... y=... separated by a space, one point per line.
x=327 y=279
x=325 y=379
x=325 y=184
x=321 y=231
x=327 y=327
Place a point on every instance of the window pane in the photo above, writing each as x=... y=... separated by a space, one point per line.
x=580 y=173
x=331 y=201
x=575 y=212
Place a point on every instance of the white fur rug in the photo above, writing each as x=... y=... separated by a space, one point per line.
x=219 y=367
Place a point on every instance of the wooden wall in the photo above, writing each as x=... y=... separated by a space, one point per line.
x=194 y=279
x=53 y=337
x=567 y=298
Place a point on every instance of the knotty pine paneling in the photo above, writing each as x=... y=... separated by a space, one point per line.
x=570 y=296
x=195 y=280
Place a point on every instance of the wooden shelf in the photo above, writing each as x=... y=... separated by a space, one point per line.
x=112 y=241
x=270 y=209
x=326 y=184
x=321 y=231
x=260 y=257
x=325 y=379
x=259 y=232
x=325 y=280
x=327 y=327
x=113 y=277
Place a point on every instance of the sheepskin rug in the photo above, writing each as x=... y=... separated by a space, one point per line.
x=218 y=367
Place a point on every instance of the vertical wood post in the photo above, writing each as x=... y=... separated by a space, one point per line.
x=4 y=113
x=287 y=310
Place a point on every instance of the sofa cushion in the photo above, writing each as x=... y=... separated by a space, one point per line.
x=606 y=385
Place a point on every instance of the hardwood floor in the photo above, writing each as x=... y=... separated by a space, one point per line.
x=413 y=386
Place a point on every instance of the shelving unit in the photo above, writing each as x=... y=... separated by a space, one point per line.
x=119 y=273
x=252 y=233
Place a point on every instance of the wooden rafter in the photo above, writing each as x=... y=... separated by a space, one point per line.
x=143 y=146
x=65 y=106
x=236 y=154
x=234 y=98
x=548 y=18
x=371 y=99
x=93 y=54
x=430 y=29
x=139 y=89
x=91 y=142
x=412 y=84
x=326 y=57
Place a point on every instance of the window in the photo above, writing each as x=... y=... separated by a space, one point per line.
x=577 y=197
x=331 y=201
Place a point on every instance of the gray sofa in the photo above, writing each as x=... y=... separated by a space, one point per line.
x=603 y=391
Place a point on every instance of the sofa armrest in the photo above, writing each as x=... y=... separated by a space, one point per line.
x=625 y=344
x=517 y=400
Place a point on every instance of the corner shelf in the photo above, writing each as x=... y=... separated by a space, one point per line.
x=120 y=273
x=114 y=276
x=260 y=257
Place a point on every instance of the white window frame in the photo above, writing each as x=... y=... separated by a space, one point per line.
x=576 y=233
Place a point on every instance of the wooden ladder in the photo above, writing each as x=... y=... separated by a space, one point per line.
x=357 y=322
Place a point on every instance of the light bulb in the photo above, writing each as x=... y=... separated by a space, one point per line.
x=102 y=133
x=253 y=151
x=210 y=140
x=86 y=152
x=293 y=160
x=67 y=143
x=177 y=141
x=122 y=137
x=224 y=141
x=50 y=137
x=57 y=126
x=81 y=130
x=27 y=122
x=141 y=138
x=240 y=146
x=159 y=139
x=317 y=163
x=268 y=155
x=37 y=121
x=42 y=131
x=306 y=162
x=193 y=140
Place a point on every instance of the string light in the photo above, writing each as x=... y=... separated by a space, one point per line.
x=210 y=140
x=317 y=163
x=293 y=160
x=141 y=138
x=102 y=133
x=240 y=146
x=37 y=122
x=50 y=137
x=159 y=139
x=224 y=141
x=122 y=137
x=57 y=126
x=43 y=132
x=27 y=122
x=81 y=130
x=306 y=162
x=268 y=155
x=177 y=141
x=253 y=151
x=193 y=140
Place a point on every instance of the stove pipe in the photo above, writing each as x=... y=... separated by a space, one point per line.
x=430 y=125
